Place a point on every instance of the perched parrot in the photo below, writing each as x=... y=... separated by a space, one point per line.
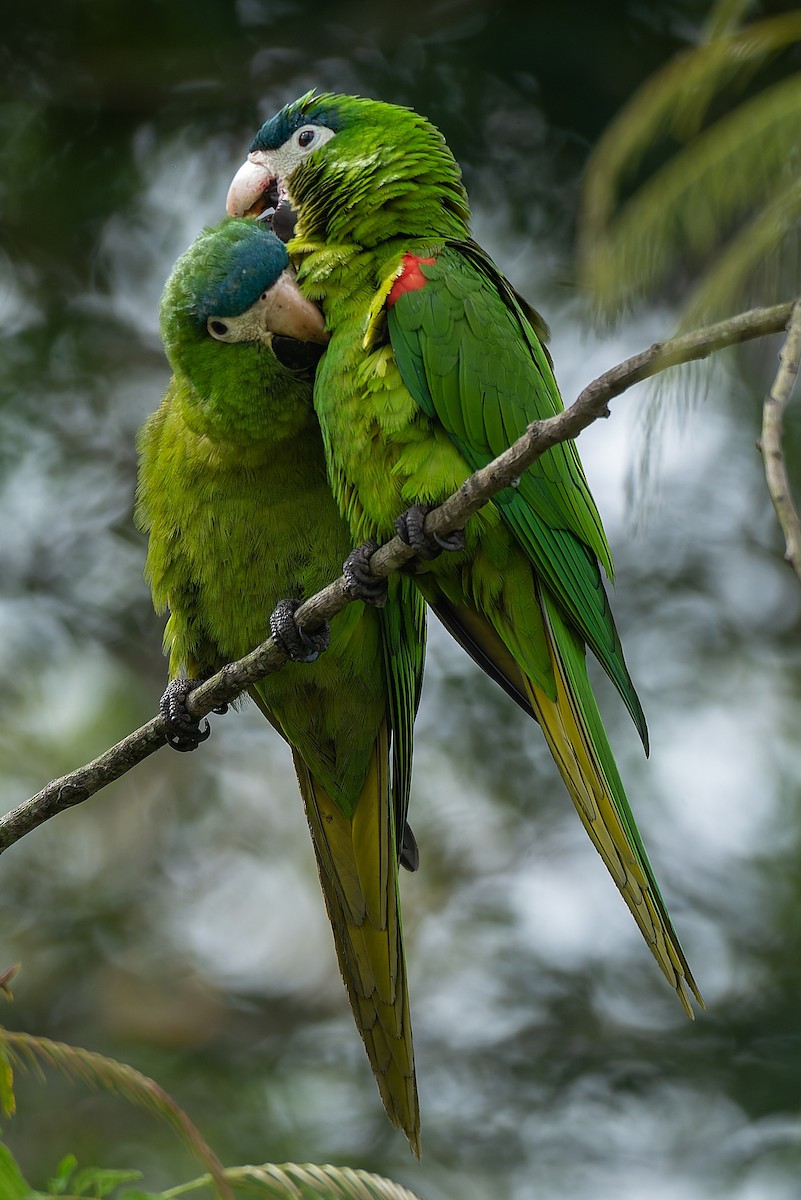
x=241 y=522
x=435 y=365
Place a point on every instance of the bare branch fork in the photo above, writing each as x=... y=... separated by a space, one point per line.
x=476 y=491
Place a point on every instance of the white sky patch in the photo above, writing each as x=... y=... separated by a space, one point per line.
x=17 y=312
x=140 y=250
x=715 y=780
x=249 y=926
x=568 y=905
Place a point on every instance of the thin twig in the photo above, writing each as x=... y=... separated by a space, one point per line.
x=770 y=443
x=475 y=492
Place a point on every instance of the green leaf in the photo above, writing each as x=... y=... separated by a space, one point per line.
x=12 y=1184
x=8 y=1102
x=58 y=1184
x=100 y=1181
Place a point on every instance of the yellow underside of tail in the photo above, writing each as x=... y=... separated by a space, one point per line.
x=569 y=740
x=357 y=863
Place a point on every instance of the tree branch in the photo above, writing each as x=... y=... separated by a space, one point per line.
x=475 y=492
x=770 y=443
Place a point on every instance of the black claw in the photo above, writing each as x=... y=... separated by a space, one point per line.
x=299 y=645
x=453 y=542
x=410 y=854
x=184 y=732
x=360 y=580
x=409 y=528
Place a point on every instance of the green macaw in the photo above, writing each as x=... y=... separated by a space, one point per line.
x=241 y=522
x=436 y=365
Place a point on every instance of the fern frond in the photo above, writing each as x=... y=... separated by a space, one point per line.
x=98 y=1071
x=686 y=206
x=306 y=1181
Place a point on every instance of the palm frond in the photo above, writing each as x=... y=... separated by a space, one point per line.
x=672 y=103
x=98 y=1071
x=763 y=248
x=685 y=207
x=725 y=16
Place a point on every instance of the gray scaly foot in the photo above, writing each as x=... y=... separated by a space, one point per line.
x=299 y=645
x=361 y=582
x=184 y=732
x=409 y=528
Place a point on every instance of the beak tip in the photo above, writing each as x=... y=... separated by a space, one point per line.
x=247 y=186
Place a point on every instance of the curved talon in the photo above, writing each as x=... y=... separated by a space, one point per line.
x=452 y=542
x=299 y=645
x=361 y=582
x=184 y=732
x=409 y=527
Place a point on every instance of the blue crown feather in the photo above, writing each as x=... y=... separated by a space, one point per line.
x=310 y=109
x=233 y=278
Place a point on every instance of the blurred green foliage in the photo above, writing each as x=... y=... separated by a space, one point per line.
x=694 y=185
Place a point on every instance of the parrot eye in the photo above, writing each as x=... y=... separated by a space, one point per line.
x=217 y=328
x=312 y=136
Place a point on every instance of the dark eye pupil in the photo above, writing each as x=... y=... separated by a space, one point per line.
x=306 y=137
x=219 y=327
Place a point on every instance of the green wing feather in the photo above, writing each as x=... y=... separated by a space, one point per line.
x=486 y=389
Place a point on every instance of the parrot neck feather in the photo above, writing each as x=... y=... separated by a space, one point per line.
x=369 y=188
x=241 y=394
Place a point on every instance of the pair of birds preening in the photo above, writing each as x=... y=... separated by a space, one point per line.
x=264 y=467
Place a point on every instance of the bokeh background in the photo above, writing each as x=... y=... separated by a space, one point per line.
x=175 y=920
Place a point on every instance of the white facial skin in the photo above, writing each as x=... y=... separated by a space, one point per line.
x=264 y=167
x=282 y=309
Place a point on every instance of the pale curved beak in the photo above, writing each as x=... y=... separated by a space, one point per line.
x=248 y=185
x=287 y=311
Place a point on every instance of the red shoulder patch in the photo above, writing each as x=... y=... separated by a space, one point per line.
x=411 y=278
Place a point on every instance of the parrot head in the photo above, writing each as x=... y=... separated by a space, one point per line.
x=346 y=165
x=235 y=284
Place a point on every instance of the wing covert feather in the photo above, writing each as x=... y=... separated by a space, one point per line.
x=470 y=358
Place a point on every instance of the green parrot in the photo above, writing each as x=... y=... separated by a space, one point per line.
x=242 y=526
x=435 y=366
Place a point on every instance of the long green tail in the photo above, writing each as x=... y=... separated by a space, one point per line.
x=357 y=860
x=577 y=740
